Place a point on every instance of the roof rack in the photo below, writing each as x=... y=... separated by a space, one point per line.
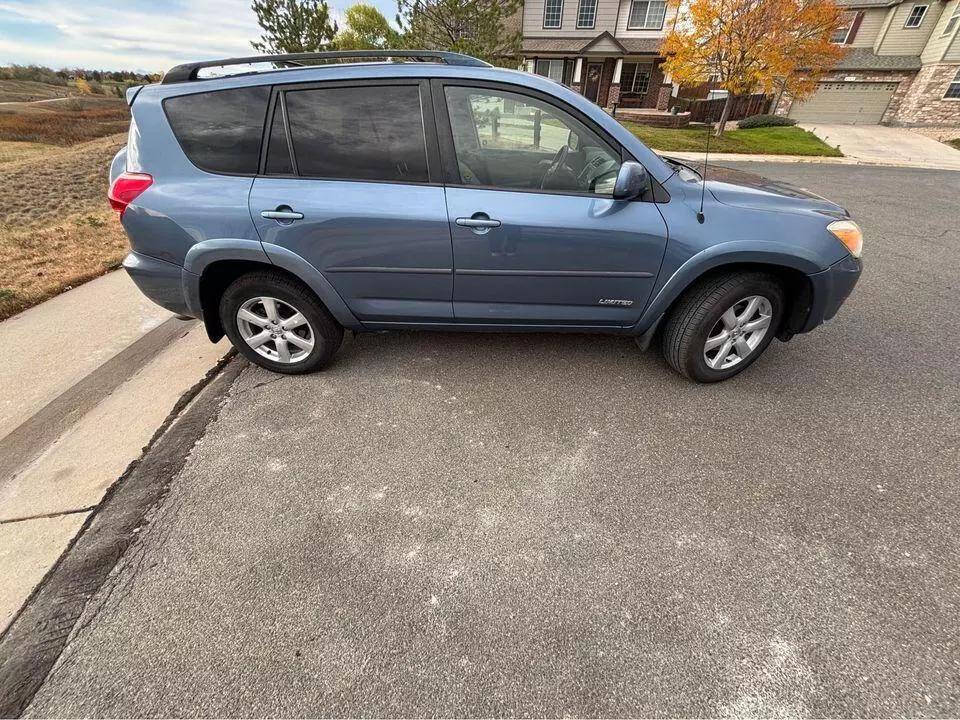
x=188 y=71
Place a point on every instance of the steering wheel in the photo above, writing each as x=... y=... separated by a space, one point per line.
x=558 y=170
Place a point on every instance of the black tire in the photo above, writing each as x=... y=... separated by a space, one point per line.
x=699 y=311
x=327 y=334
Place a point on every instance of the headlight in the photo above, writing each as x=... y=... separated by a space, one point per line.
x=848 y=232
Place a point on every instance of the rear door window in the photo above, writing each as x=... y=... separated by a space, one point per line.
x=278 y=151
x=370 y=133
x=220 y=131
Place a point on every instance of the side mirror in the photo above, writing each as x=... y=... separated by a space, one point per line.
x=632 y=181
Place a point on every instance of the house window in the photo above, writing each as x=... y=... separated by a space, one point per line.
x=587 y=13
x=552 y=69
x=840 y=35
x=646 y=15
x=552 y=13
x=916 y=16
x=953 y=89
x=952 y=22
x=634 y=79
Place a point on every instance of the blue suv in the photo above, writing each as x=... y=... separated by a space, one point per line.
x=297 y=197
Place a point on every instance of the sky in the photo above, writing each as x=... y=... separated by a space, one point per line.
x=141 y=35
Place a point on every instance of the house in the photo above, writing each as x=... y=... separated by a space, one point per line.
x=903 y=67
x=608 y=50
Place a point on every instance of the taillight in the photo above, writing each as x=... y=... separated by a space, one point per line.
x=126 y=188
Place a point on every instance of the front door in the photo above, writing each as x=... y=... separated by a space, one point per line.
x=351 y=194
x=591 y=87
x=537 y=237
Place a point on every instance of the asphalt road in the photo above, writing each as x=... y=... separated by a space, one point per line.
x=449 y=525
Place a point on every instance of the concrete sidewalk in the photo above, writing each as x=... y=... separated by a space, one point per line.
x=881 y=145
x=71 y=336
x=97 y=371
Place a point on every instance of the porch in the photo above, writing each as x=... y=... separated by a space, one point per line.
x=609 y=71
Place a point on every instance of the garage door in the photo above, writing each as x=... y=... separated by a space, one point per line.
x=845 y=102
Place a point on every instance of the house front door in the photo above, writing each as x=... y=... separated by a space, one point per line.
x=591 y=88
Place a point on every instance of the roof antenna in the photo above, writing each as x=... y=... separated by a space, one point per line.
x=706 y=161
x=706 y=155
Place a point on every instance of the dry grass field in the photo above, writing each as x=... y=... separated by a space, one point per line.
x=56 y=228
x=30 y=90
x=63 y=122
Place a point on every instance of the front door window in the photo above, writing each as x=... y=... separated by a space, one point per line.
x=507 y=140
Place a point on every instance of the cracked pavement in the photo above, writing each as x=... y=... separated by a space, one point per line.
x=546 y=525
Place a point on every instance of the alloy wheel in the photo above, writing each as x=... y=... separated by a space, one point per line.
x=275 y=329
x=738 y=332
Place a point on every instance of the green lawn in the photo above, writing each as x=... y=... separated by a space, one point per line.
x=762 y=141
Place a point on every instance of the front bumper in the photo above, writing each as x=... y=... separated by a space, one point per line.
x=831 y=287
x=159 y=280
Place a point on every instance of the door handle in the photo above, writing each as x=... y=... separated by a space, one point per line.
x=479 y=223
x=279 y=214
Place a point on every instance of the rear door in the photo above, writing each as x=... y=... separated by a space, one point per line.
x=350 y=182
x=537 y=237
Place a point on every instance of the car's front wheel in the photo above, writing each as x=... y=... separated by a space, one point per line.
x=278 y=323
x=722 y=325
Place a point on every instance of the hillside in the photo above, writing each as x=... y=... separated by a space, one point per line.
x=30 y=90
x=62 y=121
x=56 y=228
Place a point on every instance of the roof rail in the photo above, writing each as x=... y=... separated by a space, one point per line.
x=188 y=71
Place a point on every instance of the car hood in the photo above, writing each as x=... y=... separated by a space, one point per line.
x=749 y=190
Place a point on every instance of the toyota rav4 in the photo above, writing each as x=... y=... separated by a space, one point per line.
x=283 y=199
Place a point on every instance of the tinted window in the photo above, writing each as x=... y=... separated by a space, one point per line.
x=362 y=133
x=278 y=154
x=507 y=140
x=220 y=131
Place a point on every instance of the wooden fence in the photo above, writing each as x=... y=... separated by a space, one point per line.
x=709 y=110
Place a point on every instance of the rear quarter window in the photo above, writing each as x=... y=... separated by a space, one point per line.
x=220 y=131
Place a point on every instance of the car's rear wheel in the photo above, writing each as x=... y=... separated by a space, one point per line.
x=278 y=323
x=722 y=325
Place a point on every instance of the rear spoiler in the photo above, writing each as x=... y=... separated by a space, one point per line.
x=132 y=93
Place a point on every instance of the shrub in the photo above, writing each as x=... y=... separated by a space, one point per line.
x=72 y=125
x=759 y=121
x=35 y=73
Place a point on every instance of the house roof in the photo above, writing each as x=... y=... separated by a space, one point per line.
x=867 y=3
x=577 y=45
x=866 y=59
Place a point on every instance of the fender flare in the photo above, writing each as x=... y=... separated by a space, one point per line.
x=729 y=253
x=295 y=264
x=205 y=253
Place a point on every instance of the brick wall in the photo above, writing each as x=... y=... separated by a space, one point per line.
x=922 y=102
x=606 y=80
x=613 y=97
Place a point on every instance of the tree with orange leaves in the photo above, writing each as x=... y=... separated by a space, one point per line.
x=751 y=46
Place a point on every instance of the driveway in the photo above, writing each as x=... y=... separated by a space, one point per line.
x=460 y=524
x=887 y=145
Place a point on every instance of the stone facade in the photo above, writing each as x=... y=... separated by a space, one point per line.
x=922 y=102
x=663 y=97
x=613 y=96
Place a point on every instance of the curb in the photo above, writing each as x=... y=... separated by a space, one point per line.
x=820 y=159
x=38 y=633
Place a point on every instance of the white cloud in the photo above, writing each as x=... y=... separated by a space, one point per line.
x=123 y=35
